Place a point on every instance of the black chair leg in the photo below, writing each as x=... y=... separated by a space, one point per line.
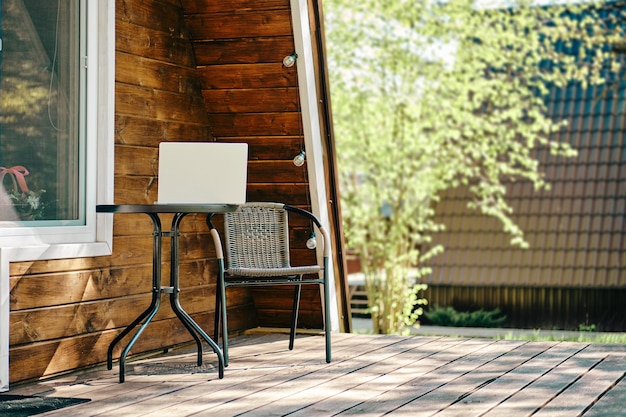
x=218 y=315
x=327 y=320
x=294 y=315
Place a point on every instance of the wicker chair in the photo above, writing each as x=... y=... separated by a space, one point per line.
x=257 y=253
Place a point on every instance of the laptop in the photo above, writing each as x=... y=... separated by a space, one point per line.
x=202 y=173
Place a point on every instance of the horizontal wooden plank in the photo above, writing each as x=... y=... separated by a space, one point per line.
x=149 y=73
x=138 y=250
x=18 y=269
x=136 y=160
x=216 y=6
x=54 y=266
x=44 y=290
x=255 y=124
x=281 y=318
x=260 y=100
x=270 y=147
x=243 y=51
x=251 y=24
x=135 y=190
x=160 y=105
x=140 y=131
x=148 y=43
x=49 y=358
x=281 y=298
x=72 y=320
x=160 y=15
x=83 y=286
x=269 y=75
x=276 y=172
x=283 y=193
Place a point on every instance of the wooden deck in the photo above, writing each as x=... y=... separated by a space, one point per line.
x=370 y=375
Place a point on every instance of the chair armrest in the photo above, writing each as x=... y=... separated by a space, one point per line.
x=327 y=245
x=311 y=216
x=217 y=242
x=304 y=213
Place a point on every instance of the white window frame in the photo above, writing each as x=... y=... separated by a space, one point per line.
x=95 y=238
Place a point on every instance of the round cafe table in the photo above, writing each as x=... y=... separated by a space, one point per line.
x=153 y=211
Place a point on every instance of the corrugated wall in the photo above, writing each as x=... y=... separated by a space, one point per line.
x=575 y=269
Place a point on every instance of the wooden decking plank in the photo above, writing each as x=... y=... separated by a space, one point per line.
x=263 y=391
x=370 y=375
x=457 y=389
x=309 y=349
x=586 y=390
x=252 y=365
x=143 y=387
x=292 y=404
x=256 y=370
x=351 y=390
x=139 y=387
x=490 y=395
x=532 y=397
x=429 y=374
x=612 y=404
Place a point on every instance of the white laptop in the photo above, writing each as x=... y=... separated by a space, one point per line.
x=202 y=172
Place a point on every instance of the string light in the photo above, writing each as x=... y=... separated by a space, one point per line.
x=311 y=243
x=290 y=60
x=299 y=159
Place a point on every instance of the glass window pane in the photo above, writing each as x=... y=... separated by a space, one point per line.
x=40 y=112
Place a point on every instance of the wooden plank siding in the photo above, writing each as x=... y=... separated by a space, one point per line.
x=252 y=98
x=185 y=71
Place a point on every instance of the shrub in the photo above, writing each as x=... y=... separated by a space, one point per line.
x=448 y=316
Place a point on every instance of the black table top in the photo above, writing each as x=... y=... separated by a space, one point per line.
x=166 y=208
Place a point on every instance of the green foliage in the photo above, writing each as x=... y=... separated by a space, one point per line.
x=429 y=96
x=448 y=316
x=587 y=327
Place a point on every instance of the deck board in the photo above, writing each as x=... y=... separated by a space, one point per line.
x=370 y=375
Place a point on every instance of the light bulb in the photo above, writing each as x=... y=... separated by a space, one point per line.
x=311 y=243
x=290 y=60
x=298 y=160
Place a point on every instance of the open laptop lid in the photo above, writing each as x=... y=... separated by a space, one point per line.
x=202 y=173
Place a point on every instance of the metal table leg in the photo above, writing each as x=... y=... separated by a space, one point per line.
x=189 y=323
x=151 y=311
x=174 y=289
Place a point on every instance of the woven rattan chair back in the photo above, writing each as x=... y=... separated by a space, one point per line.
x=257 y=237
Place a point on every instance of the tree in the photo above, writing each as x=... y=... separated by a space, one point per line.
x=429 y=95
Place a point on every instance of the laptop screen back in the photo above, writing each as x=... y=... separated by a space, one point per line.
x=202 y=173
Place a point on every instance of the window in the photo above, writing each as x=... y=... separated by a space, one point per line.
x=50 y=117
x=41 y=113
x=64 y=98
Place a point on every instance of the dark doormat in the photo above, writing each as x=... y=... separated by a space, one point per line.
x=31 y=405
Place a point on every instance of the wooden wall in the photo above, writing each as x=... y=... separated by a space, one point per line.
x=251 y=97
x=186 y=70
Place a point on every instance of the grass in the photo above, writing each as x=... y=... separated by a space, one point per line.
x=520 y=334
x=584 y=337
